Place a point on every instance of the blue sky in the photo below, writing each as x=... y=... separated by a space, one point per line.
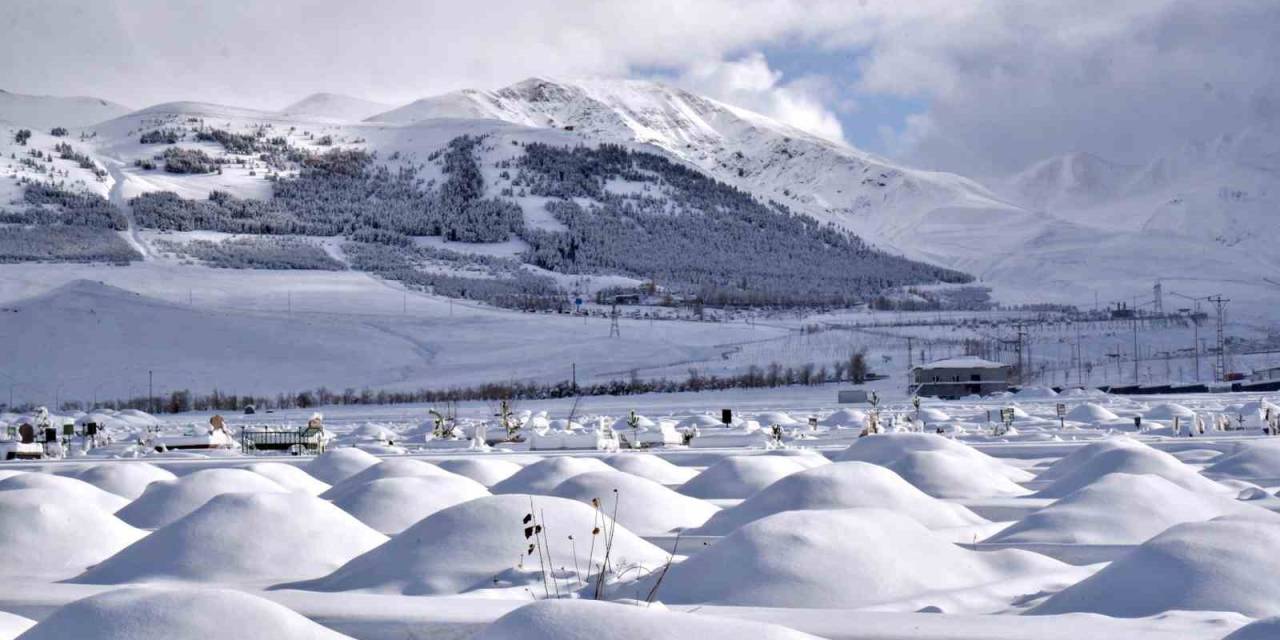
x=861 y=114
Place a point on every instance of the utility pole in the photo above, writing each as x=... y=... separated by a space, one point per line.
x=1220 y=369
x=1079 y=357
x=615 y=330
x=575 y=377
x=151 y=395
x=1136 y=356
x=1195 y=341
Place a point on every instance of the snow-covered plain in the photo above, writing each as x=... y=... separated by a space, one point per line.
x=909 y=534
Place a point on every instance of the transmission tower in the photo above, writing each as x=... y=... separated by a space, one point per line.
x=1220 y=366
x=615 y=330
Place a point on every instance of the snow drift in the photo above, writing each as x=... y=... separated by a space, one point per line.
x=391 y=505
x=44 y=533
x=153 y=613
x=740 y=476
x=243 y=538
x=389 y=468
x=842 y=485
x=1251 y=460
x=593 y=620
x=289 y=477
x=642 y=506
x=1133 y=460
x=1121 y=508
x=480 y=544
x=544 y=475
x=1227 y=564
x=336 y=465
x=164 y=502
x=837 y=559
x=68 y=490
x=125 y=479
x=650 y=467
x=486 y=472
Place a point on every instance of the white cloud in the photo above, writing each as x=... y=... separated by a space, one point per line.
x=1008 y=83
x=748 y=82
x=1005 y=81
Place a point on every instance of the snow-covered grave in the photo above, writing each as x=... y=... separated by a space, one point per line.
x=859 y=523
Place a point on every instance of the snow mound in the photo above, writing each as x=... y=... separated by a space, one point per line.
x=1092 y=413
x=390 y=468
x=890 y=448
x=43 y=533
x=1265 y=629
x=336 y=465
x=806 y=458
x=650 y=467
x=544 y=475
x=154 y=613
x=290 y=477
x=243 y=538
x=944 y=474
x=845 y=418
x=1079 y=458
x=69 y=490
x=642 y=506
x=701 y=421
x=740 y=476
x=167 y=501
x=486 y=472
x=775 y=417
x=391 y=505
x=1257 y=459
x=1121 y=509
x=125 y=479
x=1227 y=564
x=1168 y=411
x=593 y=620
x=836 y=559
x=480 y=544
x=1131 y=460
x=1036 y=392
x=842 y=485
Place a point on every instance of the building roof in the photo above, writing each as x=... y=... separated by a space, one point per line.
x=963 y=362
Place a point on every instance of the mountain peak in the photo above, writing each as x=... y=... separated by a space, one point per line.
x=334 y=105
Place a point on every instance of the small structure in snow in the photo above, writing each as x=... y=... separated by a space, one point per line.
x=960 y=377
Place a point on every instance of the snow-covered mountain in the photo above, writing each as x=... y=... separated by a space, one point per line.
x=888 y=204
x=45 y=112
x=334 y=106
x=1060 y=229
x=1069 y=181
x=1224 y=191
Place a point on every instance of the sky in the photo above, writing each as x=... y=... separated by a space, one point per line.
x=980 y=88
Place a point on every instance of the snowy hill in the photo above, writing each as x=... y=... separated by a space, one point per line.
x=1069 y=180
x=334 y=106
x=884 y=202
x=1058 y=231
x=46 y=112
